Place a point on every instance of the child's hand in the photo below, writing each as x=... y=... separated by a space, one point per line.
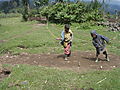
x=109 y=43
x=58 y=39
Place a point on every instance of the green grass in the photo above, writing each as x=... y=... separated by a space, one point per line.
x=26 y=77
x=38 y=39
x=10 y=15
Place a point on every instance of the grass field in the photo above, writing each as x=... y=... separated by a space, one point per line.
x=37 y=38
x=26 y=77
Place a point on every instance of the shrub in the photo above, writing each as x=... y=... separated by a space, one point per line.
x=71 y=12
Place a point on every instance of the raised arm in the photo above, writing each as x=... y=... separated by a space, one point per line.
x=105 y=38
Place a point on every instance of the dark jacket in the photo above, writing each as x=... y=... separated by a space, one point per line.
x=99 y=41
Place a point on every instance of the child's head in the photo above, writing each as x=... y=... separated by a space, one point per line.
x=93 y=33
x=67 y=27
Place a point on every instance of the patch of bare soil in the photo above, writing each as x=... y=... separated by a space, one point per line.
x=79 y=61
x=41 y=24
x=4 y=73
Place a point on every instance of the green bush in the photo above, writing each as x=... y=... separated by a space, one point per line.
x=71 y=12
x=25 y=13
x=16 y=10
x=34 y=13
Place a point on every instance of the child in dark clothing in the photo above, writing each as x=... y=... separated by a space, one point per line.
x=99 y=43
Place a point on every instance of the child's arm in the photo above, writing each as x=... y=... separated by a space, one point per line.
x=95 y=44
x=62 y=36
x=58 y=38
x=105 y=38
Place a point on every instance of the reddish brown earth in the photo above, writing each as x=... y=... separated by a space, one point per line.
x=79 y=61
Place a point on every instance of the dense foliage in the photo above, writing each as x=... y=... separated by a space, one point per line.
x=25 y=13
x=72 y=12
x=7 y=5
x=39 y=3
x=59 y=12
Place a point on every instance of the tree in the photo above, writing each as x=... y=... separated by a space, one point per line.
x=60 y=0
x=118 y=13
x=39 y=3
x=17 y=1
x=5 y=6
x=26 y=9
x=14 y=3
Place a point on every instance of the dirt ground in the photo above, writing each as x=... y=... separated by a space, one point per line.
x=79 y=61
x=4 y=73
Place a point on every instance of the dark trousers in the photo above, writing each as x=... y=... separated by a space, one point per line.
x=99 y=51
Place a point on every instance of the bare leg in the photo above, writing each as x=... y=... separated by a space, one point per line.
x=67 y=51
